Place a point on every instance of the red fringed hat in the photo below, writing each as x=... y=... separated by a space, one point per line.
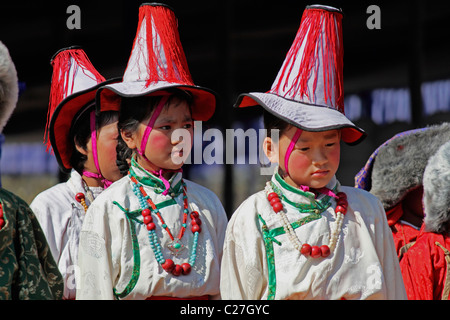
x=72 y=92
x=157 y=63
x=309 y=89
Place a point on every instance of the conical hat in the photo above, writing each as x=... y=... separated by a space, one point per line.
x=308 y=91
x=157 y=63
x=72 y=92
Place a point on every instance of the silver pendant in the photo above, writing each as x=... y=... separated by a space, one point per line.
x=176 y=246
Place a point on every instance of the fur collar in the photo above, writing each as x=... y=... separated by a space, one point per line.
x=436 y=185
x=399 y=165
x=9 y=88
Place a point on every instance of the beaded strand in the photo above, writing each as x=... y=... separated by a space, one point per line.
x=306 y=249
x=167 y=264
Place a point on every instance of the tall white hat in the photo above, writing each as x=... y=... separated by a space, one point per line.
x=308 y=91
x=157 y=63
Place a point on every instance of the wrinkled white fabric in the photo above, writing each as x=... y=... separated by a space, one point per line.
x=106 y=253
x=363 y=266
x=61 y=218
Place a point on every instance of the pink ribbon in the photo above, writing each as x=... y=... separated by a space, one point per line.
x=149 y=128
x=150 y=125
x=106 y=182
x=290 y=148
x=294 y=140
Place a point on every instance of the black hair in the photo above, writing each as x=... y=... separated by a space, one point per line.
x=134 y=110
x=80 y=133
x=272 y=122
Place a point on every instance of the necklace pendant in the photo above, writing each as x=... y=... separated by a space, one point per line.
x=176 y=246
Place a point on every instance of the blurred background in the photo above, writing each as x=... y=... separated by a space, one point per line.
x=395 y=78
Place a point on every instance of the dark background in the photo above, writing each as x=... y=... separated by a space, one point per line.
x=234 y=47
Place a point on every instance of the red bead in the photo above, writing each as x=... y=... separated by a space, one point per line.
x=274 y=200
x=315 y=252
x=272 y=195
x=194 y=214
x=2 y=223
x=342 y=202
x=79 y=196
x=306 y=249
x=148 y=219
x=146 y=212
x=341 y=209
x=196 y=228
x=325 y=250
x=186 y=268
x=277 y=207
x=341 y=195
x=1 y=213
x=176 y=271
x=168 y=265
x=151 y=226
x=196 y=221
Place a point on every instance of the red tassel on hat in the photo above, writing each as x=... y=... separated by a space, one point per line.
x=166 y=58
x=321 y=40
x=66 y=65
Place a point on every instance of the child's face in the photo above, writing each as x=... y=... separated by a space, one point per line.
x=106 y=151
x=170 y=140
x=314 y=159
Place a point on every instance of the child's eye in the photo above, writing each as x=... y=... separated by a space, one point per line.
x=330 y=144
x=165 y=127
x=304 y=149
x=188 y=126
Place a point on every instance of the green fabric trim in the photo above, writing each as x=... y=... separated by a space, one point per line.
x=280 y=230
x=153 y=181
x=315 y=207
x=136 y=253
x=288 y=187
x=166 y=203
x=269 y=238
x=270 y=256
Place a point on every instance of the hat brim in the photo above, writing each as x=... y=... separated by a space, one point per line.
x=109 y=96
x=62 y=119
x=304 y=116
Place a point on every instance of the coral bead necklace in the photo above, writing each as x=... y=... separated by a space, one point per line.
x=176 y=245
x=81 y=198
x=307 y=249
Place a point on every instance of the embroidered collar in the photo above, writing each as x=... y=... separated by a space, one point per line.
x=148 y=179
x=304 y=201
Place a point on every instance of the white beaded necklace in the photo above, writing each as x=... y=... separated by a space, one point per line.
x=306 y=249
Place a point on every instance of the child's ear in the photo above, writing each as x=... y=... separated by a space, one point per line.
x=82 y=150
x=129 y=138
x=271 y=150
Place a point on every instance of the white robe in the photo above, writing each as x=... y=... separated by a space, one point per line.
x=364 y=264
x=61 y=218
x=106 y=255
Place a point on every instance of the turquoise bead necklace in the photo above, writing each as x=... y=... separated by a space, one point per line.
x=176 y=246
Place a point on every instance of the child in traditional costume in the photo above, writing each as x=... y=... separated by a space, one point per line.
x=27 y=269
x=426 y=264
x=84 y=145
x=394 y=175
x=153 y=234
x=306 y=236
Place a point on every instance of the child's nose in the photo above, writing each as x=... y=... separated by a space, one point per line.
x=320 y=158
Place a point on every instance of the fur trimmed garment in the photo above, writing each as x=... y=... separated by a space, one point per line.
x=395 y=170
x=9 y=89
x=425 y=265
